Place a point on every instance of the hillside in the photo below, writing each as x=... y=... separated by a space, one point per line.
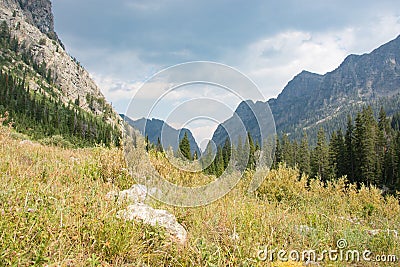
x=39 y=71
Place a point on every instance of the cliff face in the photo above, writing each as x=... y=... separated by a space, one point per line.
x=310 y=101
x=37 y=13
x=31 y=23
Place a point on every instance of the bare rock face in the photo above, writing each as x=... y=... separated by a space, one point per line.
x=31 y=23
x=38 y=13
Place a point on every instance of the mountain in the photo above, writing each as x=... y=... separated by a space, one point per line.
x=246 y=114
x=31 y=55
x=153 y=128
x=310 y=101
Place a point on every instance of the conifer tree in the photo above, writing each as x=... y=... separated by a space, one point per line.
x=287 y=151
x=278 y=153
x=304 y=155
x=219 y=162
x=384 y=156
x=397 y=163
x=251 y=163
x=340 y=154
x=207 y=160
x=364 y=143
x=147 y=143
x=349 y=151
x=395 y=123
x=226 y=152
x=320 y=164
x=159 y=146
x=184 y=147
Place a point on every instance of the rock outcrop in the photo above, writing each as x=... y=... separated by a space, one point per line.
x=136 y=194
x=137 y=210
x=39 y=14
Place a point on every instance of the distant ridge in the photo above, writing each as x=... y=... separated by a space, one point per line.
x=153 y=127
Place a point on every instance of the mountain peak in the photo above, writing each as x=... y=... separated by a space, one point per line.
x=38 y=13
x=309 y=99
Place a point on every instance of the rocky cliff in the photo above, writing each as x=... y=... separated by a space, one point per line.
x=310 y=101
x=31 y=24
x=37 y=13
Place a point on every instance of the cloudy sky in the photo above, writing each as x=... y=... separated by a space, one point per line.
x=122 y=43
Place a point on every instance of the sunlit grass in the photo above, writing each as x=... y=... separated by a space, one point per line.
x=53 y=211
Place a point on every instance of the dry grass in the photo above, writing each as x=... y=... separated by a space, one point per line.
x=54 y=213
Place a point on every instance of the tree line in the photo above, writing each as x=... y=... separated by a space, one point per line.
x=40 y=113
x=367 y=152
x=216 y=160
x=39 y=116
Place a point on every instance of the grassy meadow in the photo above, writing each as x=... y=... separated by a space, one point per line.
x=53 y=212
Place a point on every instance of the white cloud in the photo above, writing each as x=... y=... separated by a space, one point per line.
x=274 y=60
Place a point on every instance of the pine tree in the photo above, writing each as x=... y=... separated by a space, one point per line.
x=395 y=123
x=147 y=143
x=159 y=146
x=219 y=162
x=304 y=155
x=207 y=160
x=184 y=147
x=340 y=154
x=241 y=155
x=320 y=158
x=397 y=163
x=349 y=151
x=364 y=143
x=251 y=163
x=278 y=153
x=287 y=151
x=384 y=155
x=226 y=152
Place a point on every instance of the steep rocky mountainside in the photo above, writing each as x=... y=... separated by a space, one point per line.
x=31 y=24
x=311 y=101
x=37 y=13
x=153 y=129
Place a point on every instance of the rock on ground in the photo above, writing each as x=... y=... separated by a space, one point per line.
x=138 y=211
x=136 y=194
x=155 y=217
